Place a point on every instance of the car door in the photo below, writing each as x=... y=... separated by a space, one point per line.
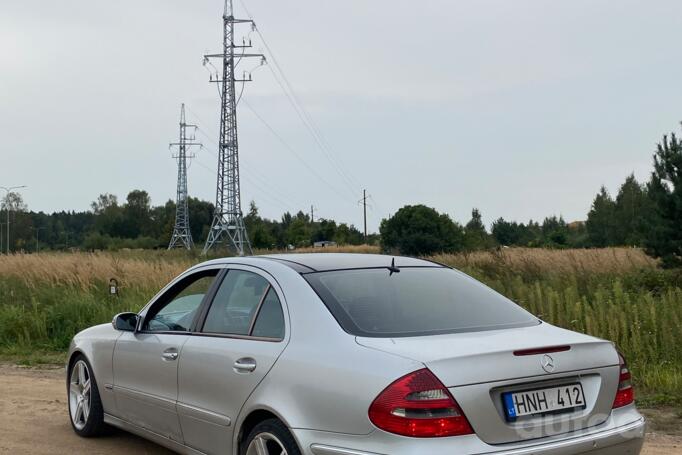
x=146 y=361
x=240 y=338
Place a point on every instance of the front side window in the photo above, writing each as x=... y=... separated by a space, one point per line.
x=245 y=304
x=414 y=302
x=175 y=311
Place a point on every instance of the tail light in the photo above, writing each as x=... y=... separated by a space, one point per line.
x=626 y=393
x=418 y=405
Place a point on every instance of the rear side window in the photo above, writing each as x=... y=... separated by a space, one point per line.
x=270 y=320
x=245 y=304
x=414 y=302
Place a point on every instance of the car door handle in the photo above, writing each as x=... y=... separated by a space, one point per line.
x=245 y=365
x=170 y=354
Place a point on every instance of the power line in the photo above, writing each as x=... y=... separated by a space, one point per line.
x=267 y=195
x=262 y=179
x=290 y=149
x=248 y=169
x=303 y=114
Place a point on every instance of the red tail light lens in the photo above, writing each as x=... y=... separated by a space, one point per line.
x=626 y=393
x=418 y=405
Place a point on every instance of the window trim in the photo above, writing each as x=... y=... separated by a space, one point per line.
x=252 y=325
x=203 y=315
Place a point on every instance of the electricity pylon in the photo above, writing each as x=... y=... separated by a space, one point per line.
x=228 y=223
x=182 y=235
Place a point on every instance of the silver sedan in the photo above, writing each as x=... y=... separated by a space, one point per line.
x=335 y=354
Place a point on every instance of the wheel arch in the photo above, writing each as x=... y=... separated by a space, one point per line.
x=254 y=417
x=72 y=358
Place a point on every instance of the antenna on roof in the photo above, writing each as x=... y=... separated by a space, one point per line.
x=392 y=268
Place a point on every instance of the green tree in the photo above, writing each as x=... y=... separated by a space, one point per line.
x=554 y=232
x=259 y=229
x=511 y=233
x=601 y=221
x=21 y=224
x=103 y=202
x=136 y=215
x=633 y=210
x=324 y=230
x=419 y=230
x=108 y=215
x=475 y=235
x=200 y=217
x=298 y=232
x=663 y=233
x=348 y=235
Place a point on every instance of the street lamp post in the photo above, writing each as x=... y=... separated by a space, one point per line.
x=37 y=234
x=7 y=191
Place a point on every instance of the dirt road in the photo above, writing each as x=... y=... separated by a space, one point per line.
x=33 y=420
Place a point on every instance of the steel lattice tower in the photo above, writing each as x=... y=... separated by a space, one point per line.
x=228 y=222
x=182 y=236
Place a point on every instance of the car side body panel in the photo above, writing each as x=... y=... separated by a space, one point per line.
x=323 y=376
x=97 y=345
x=211 y=390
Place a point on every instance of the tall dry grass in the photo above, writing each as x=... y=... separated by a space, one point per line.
x=537 y=261
x=143 y=269
x=617 y=294
x=154 y=269
x=86 y=271
x=366 y=249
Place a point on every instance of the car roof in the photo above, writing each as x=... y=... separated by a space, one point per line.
x=322 y=262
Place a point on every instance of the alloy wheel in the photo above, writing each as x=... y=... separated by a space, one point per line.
x=266 y=444
x=79 y=394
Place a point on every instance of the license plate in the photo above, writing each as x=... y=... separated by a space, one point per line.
x=557 y=399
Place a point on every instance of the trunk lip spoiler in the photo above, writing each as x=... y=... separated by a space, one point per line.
x=545 y=350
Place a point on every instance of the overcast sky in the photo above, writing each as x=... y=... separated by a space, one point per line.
x=522 y=108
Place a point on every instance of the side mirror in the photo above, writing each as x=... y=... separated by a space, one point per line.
x=125 y=322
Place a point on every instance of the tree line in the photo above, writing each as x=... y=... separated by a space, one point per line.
x=135 y=223
x=647 y=215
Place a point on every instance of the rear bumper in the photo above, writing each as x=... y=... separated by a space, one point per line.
x=619 y=440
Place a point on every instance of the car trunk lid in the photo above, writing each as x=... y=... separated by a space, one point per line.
x=479 y=367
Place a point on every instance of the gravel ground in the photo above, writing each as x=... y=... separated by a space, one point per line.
x=34 y=420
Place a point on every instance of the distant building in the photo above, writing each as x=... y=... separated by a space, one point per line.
x=323 y=244
x=575 y=225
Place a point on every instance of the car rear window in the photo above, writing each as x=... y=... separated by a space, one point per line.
x=413 y=302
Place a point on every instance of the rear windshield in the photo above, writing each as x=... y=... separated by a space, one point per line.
x=416 y=301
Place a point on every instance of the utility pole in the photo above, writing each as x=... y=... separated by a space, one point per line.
x=182 y=235
x=37 y=233
x=364 y=208
x=7 y=206
x=312 y=214
x=228 y=222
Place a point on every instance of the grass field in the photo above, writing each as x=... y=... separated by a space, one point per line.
x=618 y=294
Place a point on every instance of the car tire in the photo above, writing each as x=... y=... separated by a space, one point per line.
x=82 y=396
x=272 y=434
